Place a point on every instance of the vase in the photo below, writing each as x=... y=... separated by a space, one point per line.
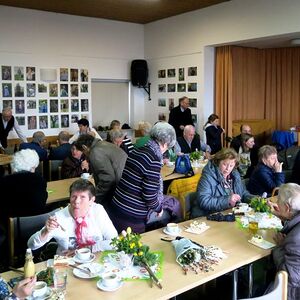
x=125 y=260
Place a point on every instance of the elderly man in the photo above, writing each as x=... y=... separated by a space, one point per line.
x=191 y=142
x=181 y=116
x=7 y=123
x=38 y=144
x=106 y=162
x=236 y=143
x=64 y=149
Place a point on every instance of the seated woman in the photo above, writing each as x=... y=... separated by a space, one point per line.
x=248 y=156
x=81 y=224
x=268 y=173
x=220 y=186
x=140 y=190
x=144 y=128
x=286 y=254
x=75 y=164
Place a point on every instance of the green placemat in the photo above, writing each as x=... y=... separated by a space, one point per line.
x=50 y=191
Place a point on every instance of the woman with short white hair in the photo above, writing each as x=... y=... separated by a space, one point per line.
x=25 y=160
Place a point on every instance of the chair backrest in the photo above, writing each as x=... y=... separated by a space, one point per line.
x=279 y=291
x=20 y=230
x=55 y=169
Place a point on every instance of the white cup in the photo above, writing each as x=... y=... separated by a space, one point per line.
x=83 y=253
x=172 y=227
x=85 y=176
x=110 y=279
x=40 y=289
x=170 y=163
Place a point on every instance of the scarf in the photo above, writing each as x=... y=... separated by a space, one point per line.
x=82 y=238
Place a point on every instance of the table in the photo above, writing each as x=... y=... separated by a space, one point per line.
x=167 y=172
x=226 y=235
x=5 y=159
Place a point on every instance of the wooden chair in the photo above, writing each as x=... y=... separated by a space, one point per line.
x=275 y=191
x=54 y=170
x=280 y=288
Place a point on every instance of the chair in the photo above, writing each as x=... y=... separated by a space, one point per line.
x=54 y=169
x=275 y=192
x=280 y=288
x=20 y=230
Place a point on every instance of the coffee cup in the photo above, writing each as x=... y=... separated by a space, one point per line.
x=170 y=163
x=110 y=279
x=40 y=289
x=172 y=227
x=85 y=176
x=83 y=253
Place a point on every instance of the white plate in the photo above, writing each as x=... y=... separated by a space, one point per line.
x=80 y=261
x=170 y=233
x=111 y=288
x=263 y=244
x=46 y=296
x=98 y=269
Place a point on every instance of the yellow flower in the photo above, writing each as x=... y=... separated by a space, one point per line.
x=140 y=244
x=132 y=245
x=134 y=254
x=140 y=253
x=121 y=238
x=128 y=230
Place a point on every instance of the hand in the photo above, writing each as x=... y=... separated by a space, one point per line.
x=24 y=288
x=278 y=167
x=50 y=225
x=85 y=165
x=159 y=215
x=273 y=206
x=181 y=127
x=279 y=238
x=234 y=198
x=207 y=155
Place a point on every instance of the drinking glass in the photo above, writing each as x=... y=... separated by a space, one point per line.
x=253 y=227
x=60 y=280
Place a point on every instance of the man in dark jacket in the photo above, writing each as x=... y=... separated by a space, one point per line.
x=64 y=148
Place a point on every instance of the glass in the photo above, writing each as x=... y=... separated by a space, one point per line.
x=253 y=227
x=60 y=280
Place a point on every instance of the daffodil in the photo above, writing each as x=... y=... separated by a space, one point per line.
x=140 y=253
x=128 y=230
x=132 y=245
x=140 y=244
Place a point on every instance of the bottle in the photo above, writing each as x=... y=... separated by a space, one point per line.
x=29 y=267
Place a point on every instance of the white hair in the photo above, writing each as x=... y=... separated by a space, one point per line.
x=289 y=193
x=145 y=126
x=163 y=133
x=25 y=160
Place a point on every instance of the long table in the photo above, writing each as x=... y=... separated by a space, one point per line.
x=226 y=235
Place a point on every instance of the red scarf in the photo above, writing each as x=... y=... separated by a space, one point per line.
x=81 y=235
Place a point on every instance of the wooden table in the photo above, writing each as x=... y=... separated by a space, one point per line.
x=5 y=159
x=226 y=235
x=167 y=172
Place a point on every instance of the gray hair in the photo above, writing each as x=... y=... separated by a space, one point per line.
x=38 y=137
x=116 y=134
x=289 y=193
x=163 y=133
x=265 y=151
x=145 y=127
x=7 y=110
x=64 y=136
x=25 y=160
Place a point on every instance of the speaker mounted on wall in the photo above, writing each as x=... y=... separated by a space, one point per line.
x=139 y=75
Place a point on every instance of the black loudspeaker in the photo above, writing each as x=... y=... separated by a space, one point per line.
x=139 y=72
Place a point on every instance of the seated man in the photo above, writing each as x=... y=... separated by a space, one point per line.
x=236 y=142
x=83 y=223
x=84 y=128
x=38 y=144
x=190 y=142
x=64 y=149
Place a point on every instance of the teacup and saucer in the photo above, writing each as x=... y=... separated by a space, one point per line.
x=172 y=229
x=83 y=255
x=110 y=282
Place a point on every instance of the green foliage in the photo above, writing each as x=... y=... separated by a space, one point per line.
x=46 y=275
x=196 y=155
x=259 y=204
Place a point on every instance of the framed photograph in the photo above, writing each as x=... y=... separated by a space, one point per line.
x=74 y=90
x=64 y=74
x=74 y=105
x=6 y=90
x=21 y=121
x=181 y=87
x=30 y=87
x=53 y=90
x=84 y=75
x=43 y=122
x=84 y=104
x=19 y=90
x=161 y=102
x=54 y=123
x=7 y=103
x=74 y=74
x=181 y=74
x=171 y=72
x=42 y=88
x=171 y=87
x=74 y=118
x=31 y=121
x=43 y=106
x=193 y=102
x=20 y=106
x=161 y=73
x=161 y=88
x=171 y=103
x=53 y=105
x=6 y=72
x=64 y=120
x=84 y=88
x=30 y=73
x=64 y=105
x=194 y=118
x=19 y=73
x=84 y=116
x=192 y=87
x=64 y=90
x=192 y=71
x=162 y=117
x=31 y=104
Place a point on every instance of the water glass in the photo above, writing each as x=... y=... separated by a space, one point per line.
x=60 y=279
x=253 y=227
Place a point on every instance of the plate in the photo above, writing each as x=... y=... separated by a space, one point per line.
x=97 y=268
x=111 y=288
x=47 y=295
x=172 y=234
x=263 y=244
x=80 y=261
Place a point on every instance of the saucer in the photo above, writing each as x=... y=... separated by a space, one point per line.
x=95 y=268
x=80 y=261
x=47 y=295
x=111 y=288
x=172 y=233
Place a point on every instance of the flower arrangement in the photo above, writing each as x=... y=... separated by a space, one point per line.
x=259 y=204
x=196 y=155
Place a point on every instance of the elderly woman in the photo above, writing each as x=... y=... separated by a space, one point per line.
x=144 y=128
x=140 y=189
x=81 y=224
x=286 y=255
x=220 y=186
x=267 y=174
x=75 y=164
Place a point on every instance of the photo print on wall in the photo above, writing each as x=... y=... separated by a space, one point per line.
x=171 y=103
x=181 y=74
x=64 y=74
x=171 y=87
x=161 y=73
x=19 y=90
x=6 y=90
x=21 y=121
x=20 y=106
x=31 y=122
x=193 y=102
x=181 y=87
x=19 y=73
x=171 y=73
x=192 y=87
x=53 y=105
x=161 y=88
x=192 y=71
x=161 y=102
x=6 y=72
x=30 y=73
